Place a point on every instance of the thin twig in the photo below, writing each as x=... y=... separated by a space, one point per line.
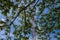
x=21 y=11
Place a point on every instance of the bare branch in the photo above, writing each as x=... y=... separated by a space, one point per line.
x=21 y=11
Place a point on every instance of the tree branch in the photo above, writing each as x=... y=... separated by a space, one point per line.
x=21 y=11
